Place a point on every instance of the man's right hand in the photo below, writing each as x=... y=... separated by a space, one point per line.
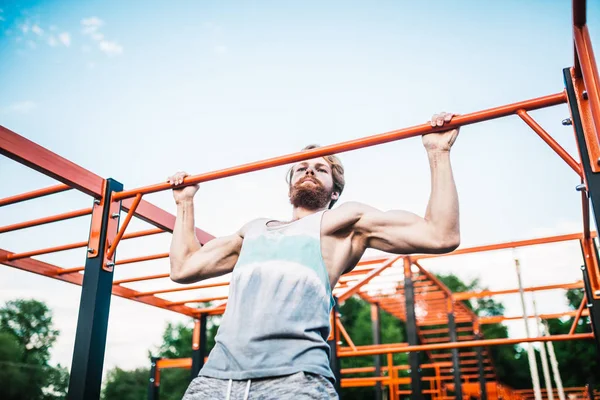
x=182 y=194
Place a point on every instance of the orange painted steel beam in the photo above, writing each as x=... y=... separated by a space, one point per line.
x=488 y=293
x=470 y=343
x=589 y=72
x=33 y=194
x=140 y=278
x=551 y=142
x=165 y=363
x=115 y=243
x=203 y=300
x=578 y=315
x=506 y=245
x=46 y=269
x=344 y=333
x=120 y=262
x=72 y=246
x=46 y=220
x=184 y=288
x=355 y=288
x=418 y=130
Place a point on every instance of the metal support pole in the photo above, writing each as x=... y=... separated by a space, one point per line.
x=480 y=367
x=455 y=357
x=376 y=326
x=543 y=355
x=334 y=361
x=535 y=378
x=153 y=383
x=198 y=345
x=92 y=324
x=411 y=333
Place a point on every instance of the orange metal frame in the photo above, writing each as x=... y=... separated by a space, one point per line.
x=369 y=278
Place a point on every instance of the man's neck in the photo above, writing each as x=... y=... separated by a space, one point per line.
x=300 y=212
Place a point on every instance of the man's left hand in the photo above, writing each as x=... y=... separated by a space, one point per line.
x=440 y=141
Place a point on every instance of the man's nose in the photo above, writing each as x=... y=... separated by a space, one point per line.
x=309 y=171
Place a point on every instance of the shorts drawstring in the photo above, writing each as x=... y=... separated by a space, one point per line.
x=229 y=389
x=247 y=390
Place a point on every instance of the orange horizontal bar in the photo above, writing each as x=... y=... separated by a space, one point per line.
x=204 y=300
x=180 y=289
x=506 y=245
x=418 y=130
x=45 y=220
x=140 y=278
x=486 y=293
x=71 y=246
x=121 y=262
x=501 y=318
x=165 y=363
x=33 y=194
x=471 y=343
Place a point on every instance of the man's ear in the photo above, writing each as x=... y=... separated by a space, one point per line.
x=335 y=196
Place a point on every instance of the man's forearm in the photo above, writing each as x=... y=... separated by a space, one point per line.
x=442 y=210
x=184 y=241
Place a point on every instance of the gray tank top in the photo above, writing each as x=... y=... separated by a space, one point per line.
x=277 y=317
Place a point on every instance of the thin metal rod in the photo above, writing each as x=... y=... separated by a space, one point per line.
x=578 y=315
x=554 y=364
x=33 y=194
x=368 y=141
x=46 y=220
x=550 y=142
x=113 y=247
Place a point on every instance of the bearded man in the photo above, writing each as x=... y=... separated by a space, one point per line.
x=272 y=341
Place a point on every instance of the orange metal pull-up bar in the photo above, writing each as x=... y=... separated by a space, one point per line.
x=460 y=120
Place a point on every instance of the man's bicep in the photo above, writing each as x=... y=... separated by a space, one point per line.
x=217 y=257
x=396 y=231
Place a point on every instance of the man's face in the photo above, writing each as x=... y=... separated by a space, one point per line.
x=311 y=186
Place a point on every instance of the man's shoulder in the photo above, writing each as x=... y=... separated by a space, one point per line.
x=352 y=208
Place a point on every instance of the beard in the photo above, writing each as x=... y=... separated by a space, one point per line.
x=313 y=197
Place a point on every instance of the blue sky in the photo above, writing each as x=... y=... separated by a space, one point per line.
x=136 y=91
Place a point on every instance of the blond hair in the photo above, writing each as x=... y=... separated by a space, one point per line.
x=337 y=172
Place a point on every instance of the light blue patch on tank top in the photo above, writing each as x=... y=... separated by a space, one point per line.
x=298 y=249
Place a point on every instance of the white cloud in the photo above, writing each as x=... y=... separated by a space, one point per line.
x=25 y=28
x=220 y=49
x=92 y=21
x=37 y=30
x=20 y=107
x=52 y=41
x=97 y=36
x=65 y=38
x=111 y=48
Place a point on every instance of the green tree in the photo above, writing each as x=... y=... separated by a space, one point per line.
x=126 y=385
x=26 y=338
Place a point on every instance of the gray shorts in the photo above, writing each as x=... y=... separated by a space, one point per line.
x=299 y=386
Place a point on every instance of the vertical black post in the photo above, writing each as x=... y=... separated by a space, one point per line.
x=592 y=180
x=153 y=386
x=455 y=358
x=334 y=361
x=92 y=323
x=198 y=345
x=411 y=333
x=482 y=383
x=376 y=325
